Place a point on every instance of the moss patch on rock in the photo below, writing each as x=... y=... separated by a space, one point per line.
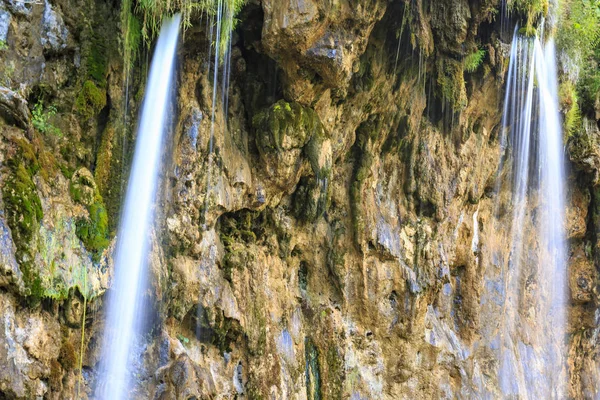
x=451 y=83
x=93 y=231
x=23 y=211
x=90 y=100
x=312 y=370
x=243 y=226
x=283 y=126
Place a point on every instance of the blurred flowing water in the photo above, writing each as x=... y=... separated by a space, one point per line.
x=125 y=304
x=532 y=351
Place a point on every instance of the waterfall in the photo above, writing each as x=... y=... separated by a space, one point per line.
x=220 y=28
x=125 y=305
x=532 y=355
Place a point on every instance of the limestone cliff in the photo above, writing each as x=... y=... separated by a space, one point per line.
x=345 y=242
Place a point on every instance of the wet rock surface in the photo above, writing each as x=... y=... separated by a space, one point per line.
x=342 y=240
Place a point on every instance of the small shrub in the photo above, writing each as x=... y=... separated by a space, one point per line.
x=41 y=119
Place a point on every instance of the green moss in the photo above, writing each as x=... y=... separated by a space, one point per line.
x=90 y=100
x=55 y=378
x=111 y=167
x=48 y=165
x=312 y=370
x=132 y=34
x=67 y=356
x=275 y=123
x=82 y=188
x=93 y=231
x=451 y=83
x=288 y=120
x=335 y=373
x=97 y=59
x=23 y=215
x=242 y=226
x=572 y=113
x=26 y=154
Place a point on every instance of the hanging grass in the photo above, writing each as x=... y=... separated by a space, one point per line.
x=141 y=20
x=532 y=10
x=152 y=13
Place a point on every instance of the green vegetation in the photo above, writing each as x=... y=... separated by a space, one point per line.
x=578 y=41
x=532 y=10
x=132 y=35
x=97 y=60
x=41 y=119
x=451 y=83
x=281 y=120
x=3 y=45
x=152 y=13
x=90 y=100
x=472 y=61
x=93 y=232
x=243 y=226
x=24 y=212
x=312 y=370
x=141 y=21
x=572 y=112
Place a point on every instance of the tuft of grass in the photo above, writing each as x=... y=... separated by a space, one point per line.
x=472 y=61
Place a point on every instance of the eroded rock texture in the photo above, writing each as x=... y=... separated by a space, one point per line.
x=340 y=242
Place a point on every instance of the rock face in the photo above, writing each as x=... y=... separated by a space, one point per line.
x=343 y=239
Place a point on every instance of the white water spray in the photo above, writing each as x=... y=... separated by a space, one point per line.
x=532 y=359
x=125 y=305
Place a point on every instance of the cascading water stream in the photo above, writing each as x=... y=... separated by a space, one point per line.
x=532 y=362
x=220 y=26
x=125 y=304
